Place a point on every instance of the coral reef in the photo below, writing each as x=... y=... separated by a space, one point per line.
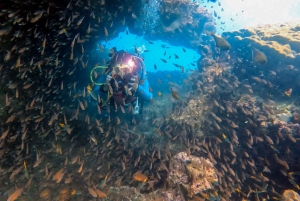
x=180 y=22
x=195 y=174
x=280 y=43
x=246 y=114
x=281 y=38
x=290 y=195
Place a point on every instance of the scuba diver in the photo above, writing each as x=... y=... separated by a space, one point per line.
x=122 y=83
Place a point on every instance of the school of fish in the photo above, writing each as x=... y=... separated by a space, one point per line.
x=53 y=146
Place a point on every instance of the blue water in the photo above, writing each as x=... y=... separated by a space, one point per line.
x=156 y=52
x=238 y=14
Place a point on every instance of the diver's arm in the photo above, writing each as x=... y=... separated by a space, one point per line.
x=143 y=91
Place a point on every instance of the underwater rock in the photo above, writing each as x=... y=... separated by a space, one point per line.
x=288 y=130
x=282 y=114
x=132 y=194
x=290 y=195
x=184 y=21
x=296 y=117
x=125 y=193
x=284 y=117
x=281 y=42
x=275 y=59
x=169 y=195
x=195 y=174
x=194 y=109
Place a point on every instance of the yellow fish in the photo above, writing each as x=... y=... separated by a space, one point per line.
x=26 y=171
x=174 y=94
x=89 y=88
x=91 y=92
x=259 y=56
x=138 y=176
x=289 y=92
x=221 y=42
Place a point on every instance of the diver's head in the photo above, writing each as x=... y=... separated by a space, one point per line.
x=128 y=62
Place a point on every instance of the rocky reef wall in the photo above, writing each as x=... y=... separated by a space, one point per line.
x=179 y=22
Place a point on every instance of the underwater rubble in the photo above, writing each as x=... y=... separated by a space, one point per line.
x=126 y=193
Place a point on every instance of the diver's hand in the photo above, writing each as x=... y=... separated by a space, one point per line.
x=105 y=87
x=107 y=81
x=134 y=83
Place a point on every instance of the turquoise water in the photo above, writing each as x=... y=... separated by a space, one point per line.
x=155 y=52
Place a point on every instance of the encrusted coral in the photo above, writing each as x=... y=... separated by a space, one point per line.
x=281 y=40
x=290 y=195
x=196 y=174
x=184 y=20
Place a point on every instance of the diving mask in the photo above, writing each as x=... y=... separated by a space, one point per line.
x=118 y=68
